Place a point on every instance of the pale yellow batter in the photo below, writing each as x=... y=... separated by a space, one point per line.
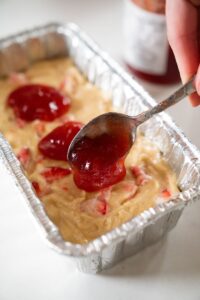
x=71 y=209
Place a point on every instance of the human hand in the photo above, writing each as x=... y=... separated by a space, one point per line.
x=183 y=18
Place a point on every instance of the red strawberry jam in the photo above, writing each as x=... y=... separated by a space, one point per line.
x=55 y=145
x=52 y=174
x=166 y=193
x=36 y=101
x=99 y=162
x=36 y=186
x=95 y=206
x=25 y=157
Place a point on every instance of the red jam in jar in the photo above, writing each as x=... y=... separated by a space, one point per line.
x=146 y=49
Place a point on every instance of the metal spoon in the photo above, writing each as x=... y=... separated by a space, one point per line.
x=113 y=123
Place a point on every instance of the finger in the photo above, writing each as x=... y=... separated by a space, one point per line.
x=182 y=35
x=197 y=81
x=195 y=99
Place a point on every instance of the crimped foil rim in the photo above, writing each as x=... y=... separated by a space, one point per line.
x=137 y=223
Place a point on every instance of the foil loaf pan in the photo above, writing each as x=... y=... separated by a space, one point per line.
x=17 y=53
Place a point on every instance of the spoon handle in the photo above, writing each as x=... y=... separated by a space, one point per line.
x=181 y=93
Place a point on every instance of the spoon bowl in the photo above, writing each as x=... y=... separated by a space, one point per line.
x=113 y=123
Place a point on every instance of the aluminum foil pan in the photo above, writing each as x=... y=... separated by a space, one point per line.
x=17 y=53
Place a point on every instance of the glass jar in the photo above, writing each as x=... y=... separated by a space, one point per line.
x=147 y=52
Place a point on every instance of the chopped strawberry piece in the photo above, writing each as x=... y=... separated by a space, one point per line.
x=105 y=193
x=41 y=192
x=166 y=193
x=98 y=205
x=20 y=123
x=64 y=188
x=25 y=157
x=136 y=171
x=131 y=188
x=55 y=173
x=62 y=85
x=45 y=191
x=141 y=180
x=95 y=206
x=18 y=78
x=36 y=187
x=140 y=176
x=102 y=207
x=40 y=128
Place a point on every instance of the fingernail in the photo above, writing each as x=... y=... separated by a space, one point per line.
x=195 y=100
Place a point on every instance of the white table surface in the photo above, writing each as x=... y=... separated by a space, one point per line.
x=29 y=270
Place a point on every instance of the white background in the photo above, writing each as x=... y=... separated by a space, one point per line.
x=29 y=269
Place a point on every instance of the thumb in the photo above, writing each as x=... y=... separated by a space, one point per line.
x=197 y=81
x=195 y=98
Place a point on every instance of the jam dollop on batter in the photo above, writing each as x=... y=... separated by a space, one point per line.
x=55 y=144
x=37 y=101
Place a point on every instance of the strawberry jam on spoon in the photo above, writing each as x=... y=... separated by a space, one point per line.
x=37 y=101
x=97 y=155
x=55 y=144
x=96 y=164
